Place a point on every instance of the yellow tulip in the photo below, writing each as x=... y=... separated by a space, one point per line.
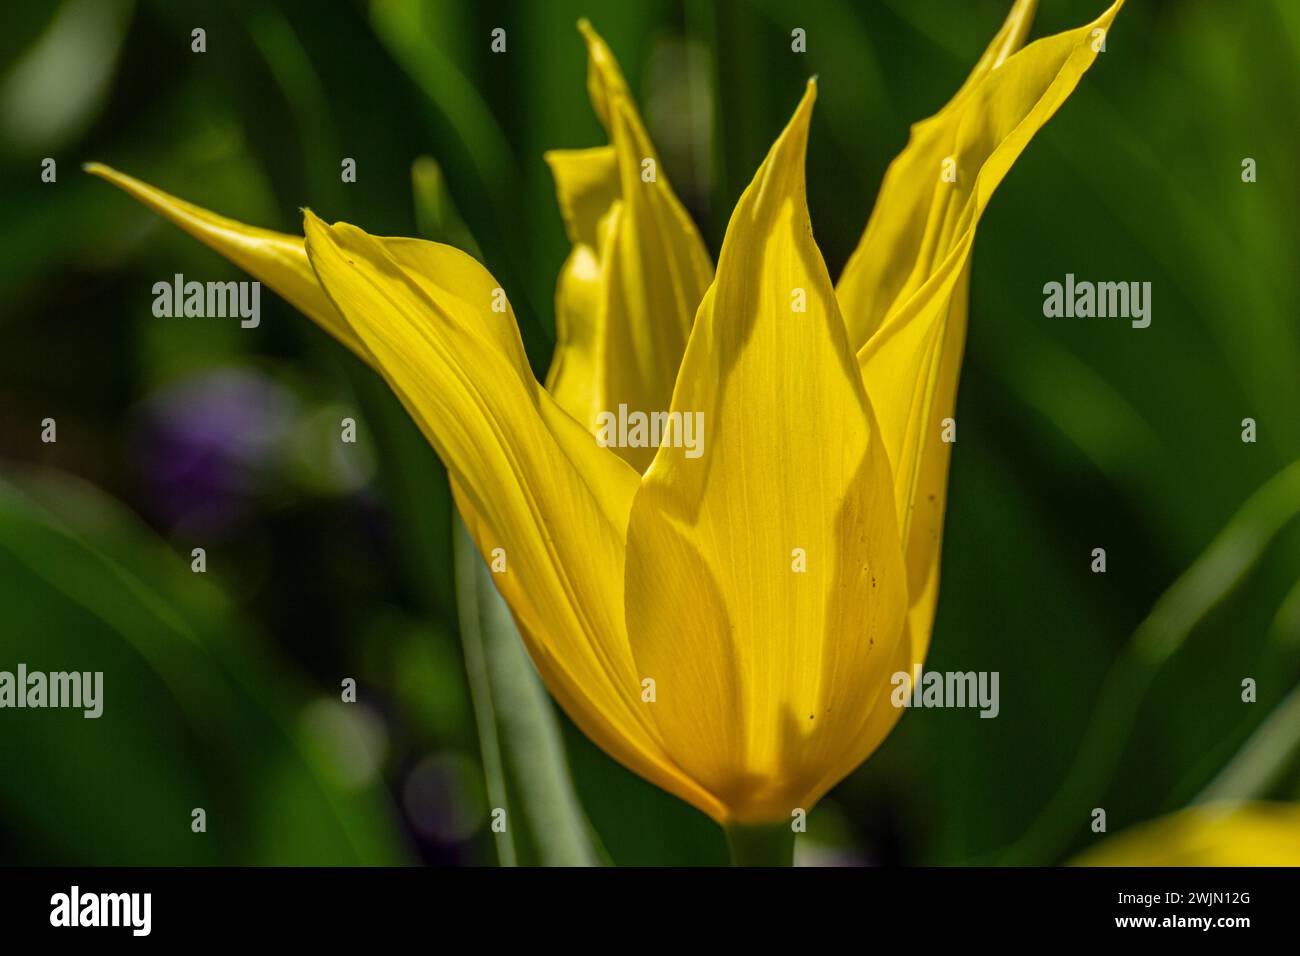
x=726 y=625
x=1229 y=834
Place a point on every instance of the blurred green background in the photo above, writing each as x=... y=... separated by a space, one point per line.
x=329 y=561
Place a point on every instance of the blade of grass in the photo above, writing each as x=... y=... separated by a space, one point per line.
x=300 y=82
x=1219 y=569
x=210 y=715
x=410 y=31
x=523 y=754
x=470 y=612
x=1263 y=760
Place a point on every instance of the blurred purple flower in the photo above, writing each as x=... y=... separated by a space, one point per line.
x=207 y=445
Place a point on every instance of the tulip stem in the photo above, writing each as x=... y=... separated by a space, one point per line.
x=767 y=844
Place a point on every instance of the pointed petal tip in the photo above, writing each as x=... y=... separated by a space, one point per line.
x=792 y=144
x=803 y=112
x=149 y=195
x=107 y=173
x=1108 y=15
x=311 y=221
x=1014 y=32
x=1104 y=21
x=809 y=96
x=589 y=33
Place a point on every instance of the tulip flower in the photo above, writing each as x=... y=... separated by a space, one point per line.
x=725 y=625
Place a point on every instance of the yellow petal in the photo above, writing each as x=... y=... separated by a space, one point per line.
x=275 y=258
x=904 y=291
x=629 y=290
x=605 y=81
x=586 y=181
x=516 y=467
x=767 y=675
x=1010 y=38
x=892 y=259
x=528 y=477
x=1250 y=834
x=586 y=184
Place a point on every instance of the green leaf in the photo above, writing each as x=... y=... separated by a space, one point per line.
x=435 y=210
x=523 y=753
x=196 y=713
x=1267 y=756
x=1220 y=568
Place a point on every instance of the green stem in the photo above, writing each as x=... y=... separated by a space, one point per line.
x=767 y=844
